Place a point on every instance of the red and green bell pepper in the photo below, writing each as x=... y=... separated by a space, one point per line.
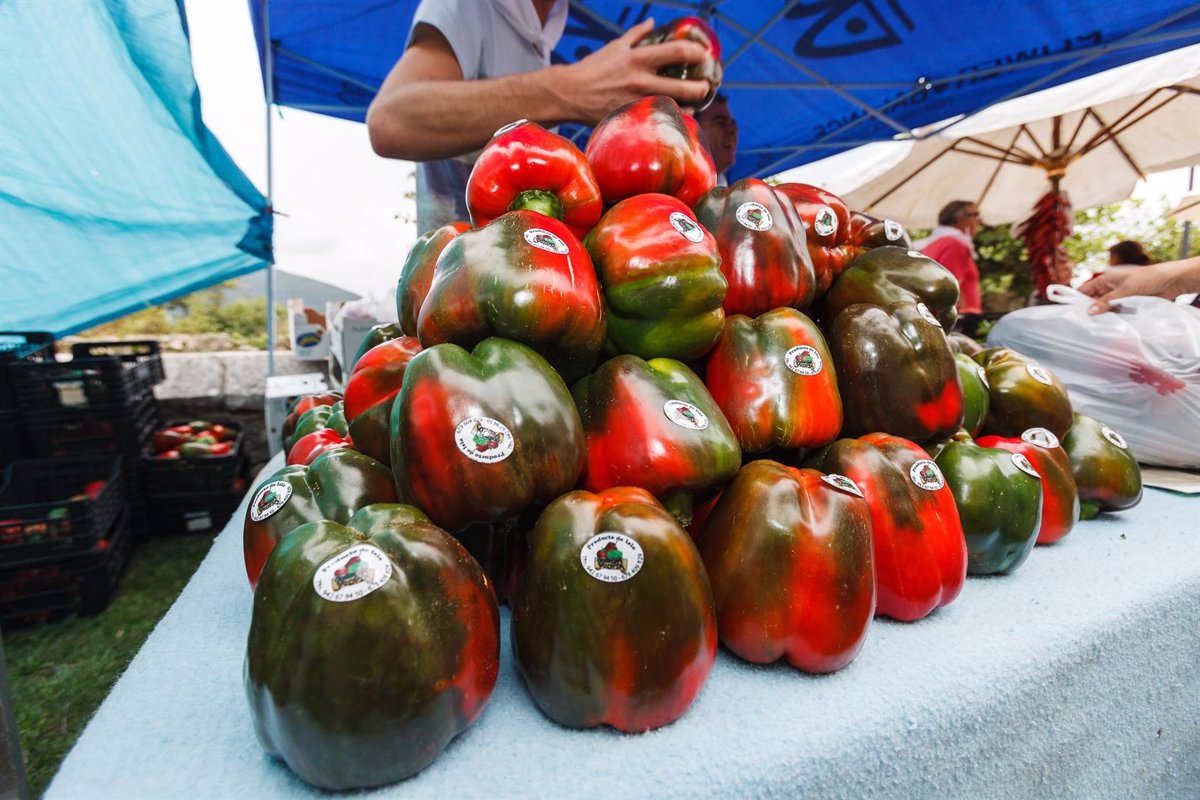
x=1106 y=472
x=373 y=385
x=696 y=30
x=1060 y=499
x=1022 y=395
x=417 y=273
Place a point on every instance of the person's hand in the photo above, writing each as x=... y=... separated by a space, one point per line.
x=1167 y=280
x=620 y=72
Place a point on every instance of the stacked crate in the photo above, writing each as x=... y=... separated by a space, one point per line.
x=196 y=494
x=71 y=502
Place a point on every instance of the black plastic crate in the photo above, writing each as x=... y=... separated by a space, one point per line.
x=20 y=346
x=83 y=583
x=101 y=375
x=118 y=429
x=12 y=442
x=45 y=513
x=192 y=512
x=195 y=474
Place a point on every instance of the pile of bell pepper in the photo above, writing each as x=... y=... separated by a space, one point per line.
x=195 y=439
x=652 y=415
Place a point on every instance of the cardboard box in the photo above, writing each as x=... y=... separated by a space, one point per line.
x=307 y=331
x=281 y=390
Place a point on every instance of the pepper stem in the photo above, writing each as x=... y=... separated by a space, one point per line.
x=679 y=503
x=1088 y=509
x=538 y=200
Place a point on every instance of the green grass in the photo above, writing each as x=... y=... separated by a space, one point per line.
x=60 y=672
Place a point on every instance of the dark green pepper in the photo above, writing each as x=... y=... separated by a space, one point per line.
x=975 y=393
x=999 y=500
x=1023 y=395
x=1106 y=473
x=316 y=419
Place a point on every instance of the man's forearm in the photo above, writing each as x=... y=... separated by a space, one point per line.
x=428 y=120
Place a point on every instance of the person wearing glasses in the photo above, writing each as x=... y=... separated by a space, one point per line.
x=952 y=245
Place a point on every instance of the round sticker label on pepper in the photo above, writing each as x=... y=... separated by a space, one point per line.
x=1040 y=437
x=1039 y=374
x=843 y=483
x=505 y=129
x=686 y=226
x=754 y=216
x=1114 y=437
x=352 y=574
x=685 y=415
x=543 y=239
x=611 y=557
x=484 y=439
x=927 y=315
x=892 y=230
x=269 y=499
x=803 y=360
x=825 y=222
x=925 y=474
x=1022 y=463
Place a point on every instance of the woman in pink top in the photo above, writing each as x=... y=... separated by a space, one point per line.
x=951 y=245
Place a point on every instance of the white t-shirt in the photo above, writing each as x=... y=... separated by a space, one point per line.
x=490 y=39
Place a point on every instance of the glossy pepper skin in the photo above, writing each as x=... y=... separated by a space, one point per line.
x=374 y=383
x=790 y=561
x=525 y=166
x=973 y=379
x=660 y=273
x=302 y=405
x=333 y=487
x=896 y=372
x=763 y=252
x=652 y=424
x=649 y=146
x=369 y=691
x=826 y=223
x=311 y=445
x=417 y=273
x=383 y=332
x=999 y=503
x=319 y=418
x=481 y=436
x=523 y=277
x=774 y=379
x=696 y=30
x=865 y=232
x=1060 y=498
x=631 y=652
x=920 y=553
x=1106 y=473
x=1023 y=395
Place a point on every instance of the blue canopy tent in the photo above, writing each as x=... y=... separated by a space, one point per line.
x=806 y=79
x=113 y=194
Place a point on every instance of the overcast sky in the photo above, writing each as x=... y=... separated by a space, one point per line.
x=347 y=220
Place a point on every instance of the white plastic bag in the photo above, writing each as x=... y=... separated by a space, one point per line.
x=1136 y=368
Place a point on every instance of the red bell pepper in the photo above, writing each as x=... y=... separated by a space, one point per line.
x=652 y=424
x=613 y=623
x=374 y=383
x=920 y=551
x=826 y=222
x=527 y=166
x=311 y=445
x=788 y=552
x=762 y=244
x=696 y=30
x=650 y=146
x=774 y=379
x=661 y=276
x=1060 y=498
x=417 y=273
x=523 y=277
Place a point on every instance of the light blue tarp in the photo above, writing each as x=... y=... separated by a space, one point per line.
x=113 y=194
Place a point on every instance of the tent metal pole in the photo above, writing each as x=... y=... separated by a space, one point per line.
x=1185 y=244
x=269 y=76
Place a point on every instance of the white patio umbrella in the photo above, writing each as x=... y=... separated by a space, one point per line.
x=1092 y=139
x=1188 y=209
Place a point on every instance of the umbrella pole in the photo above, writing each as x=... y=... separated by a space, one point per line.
x=269 y=75
x=1185 y=244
